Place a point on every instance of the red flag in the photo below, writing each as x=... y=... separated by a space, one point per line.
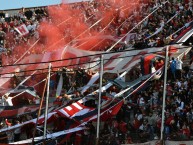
x=112 y=111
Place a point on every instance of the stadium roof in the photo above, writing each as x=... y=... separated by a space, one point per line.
x=16 y=4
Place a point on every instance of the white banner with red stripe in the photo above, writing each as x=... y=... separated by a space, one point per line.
x=75 y=109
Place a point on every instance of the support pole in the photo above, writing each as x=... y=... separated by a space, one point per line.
x=46 y=109
x=39 y=111
x=99 y=101
x=164 y=94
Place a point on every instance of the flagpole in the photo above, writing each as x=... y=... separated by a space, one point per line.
x=99 y=101
x=39 y=111
x=164 y=94
x=46 y=109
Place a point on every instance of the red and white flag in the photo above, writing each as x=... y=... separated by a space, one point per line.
x=22 y=30
x=75 y=109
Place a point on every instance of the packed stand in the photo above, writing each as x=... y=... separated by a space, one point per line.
x=140 y=118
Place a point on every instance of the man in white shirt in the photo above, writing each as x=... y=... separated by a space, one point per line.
x=6 y=100
x=178 y=68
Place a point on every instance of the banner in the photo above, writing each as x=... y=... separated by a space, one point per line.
x=178 y=142
x=131 y=36
x=158 y=142
x=48 y=136
x=155 y=142
x=75 y=109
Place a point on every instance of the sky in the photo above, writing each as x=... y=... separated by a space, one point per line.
x=14 y=4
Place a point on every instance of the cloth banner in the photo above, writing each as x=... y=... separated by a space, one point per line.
x=178 y=142
x=75 y=109
x=130 y=37
x=155 y=142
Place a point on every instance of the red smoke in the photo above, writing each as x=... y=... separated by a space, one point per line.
x=49 y=34
x=66 y=24
x=69 y=24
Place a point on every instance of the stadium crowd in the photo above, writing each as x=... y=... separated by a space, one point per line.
x=139 y=120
